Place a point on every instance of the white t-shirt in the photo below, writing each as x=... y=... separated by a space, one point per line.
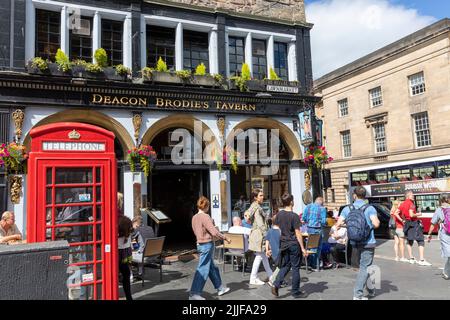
x=342 y=234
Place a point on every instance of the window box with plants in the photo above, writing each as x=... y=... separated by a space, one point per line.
x=201 y=78
x=161 y=74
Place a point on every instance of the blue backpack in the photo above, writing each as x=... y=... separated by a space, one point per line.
x=358 y=230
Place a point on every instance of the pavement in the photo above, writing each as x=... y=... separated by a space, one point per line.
x=399 y=280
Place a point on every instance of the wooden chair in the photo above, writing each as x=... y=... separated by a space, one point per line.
x=312 y=242
x=238 y=244
x=153 y=249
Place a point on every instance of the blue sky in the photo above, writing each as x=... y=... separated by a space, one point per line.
x=345 y=30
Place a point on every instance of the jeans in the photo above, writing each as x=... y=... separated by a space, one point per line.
x=290 y=259
x=363 y=276
x=447 y=267
x=335 y=249
x=124 y=269
x=205 y=268
x=260 y=256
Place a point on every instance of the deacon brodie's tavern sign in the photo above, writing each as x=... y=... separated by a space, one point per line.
x=170 y=103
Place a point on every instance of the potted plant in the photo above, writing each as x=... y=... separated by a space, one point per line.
x=229 y=157
x=316 y=156
x=240 y=82
x=78 y=68
x=13 y=157
x=201 y=78
x=144 y=156
x=94 y=71
x=38 y=65
x=184 y=75
x=63 y=66
x=122 y=72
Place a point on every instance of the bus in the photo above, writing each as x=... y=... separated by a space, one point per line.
x=427 y=178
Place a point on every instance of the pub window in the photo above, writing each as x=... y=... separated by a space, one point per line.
x=236 y=54
x=259 y=59
x=195 y=50
x=160 y=43
x=81 y=41
x=422 y=130
x=281 y=61
x=443 y=169
x=346 y=144
x=112 y=41
x=47 y=33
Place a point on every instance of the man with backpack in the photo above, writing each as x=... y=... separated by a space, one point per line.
x=315 y=217
x=361 y=220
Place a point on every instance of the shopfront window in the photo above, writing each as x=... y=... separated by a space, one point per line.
x=112 y=34
x=423 y=173
x=47 y=33
x=160 y=43
x=195 y=49
x=81 y=41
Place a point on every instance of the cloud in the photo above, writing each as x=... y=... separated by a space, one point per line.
x=345 y=30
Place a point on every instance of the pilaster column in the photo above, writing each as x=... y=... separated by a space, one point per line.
x=179 y=47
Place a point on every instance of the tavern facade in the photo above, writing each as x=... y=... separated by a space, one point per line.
x=79 y=128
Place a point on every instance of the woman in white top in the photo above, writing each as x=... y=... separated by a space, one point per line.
x=125 y=253
x=338 y=241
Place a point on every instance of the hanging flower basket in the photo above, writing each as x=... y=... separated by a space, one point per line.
x=316 y=156
x=13 y=157
x=229 y=156
x=145 y=156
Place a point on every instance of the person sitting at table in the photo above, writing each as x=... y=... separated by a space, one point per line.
x=8 y=229
x=338 y=241
x=141 y=234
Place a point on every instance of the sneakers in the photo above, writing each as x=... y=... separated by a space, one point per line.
x=274 y=291
x=372 y=293
x=412 y=260
x=257 y=282
x=196 y=297
x=446 y=277
x=300 y=294
x=397 y=259
x=222 y=291
x=404 y=260
x=360 y=298
x=424 y=263
x=270 y=283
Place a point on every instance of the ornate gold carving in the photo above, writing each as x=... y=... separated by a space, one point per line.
x=15 y=188
x=74 y=135
x=18 y=117
x=137 y=122
x=307 y=180
x=221 y=126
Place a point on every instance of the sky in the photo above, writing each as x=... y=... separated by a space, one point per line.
x=345 y=30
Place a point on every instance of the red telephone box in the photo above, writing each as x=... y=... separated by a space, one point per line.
x=72 y=191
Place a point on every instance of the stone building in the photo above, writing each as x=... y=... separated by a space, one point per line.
x=386 y=119
x=80 y=124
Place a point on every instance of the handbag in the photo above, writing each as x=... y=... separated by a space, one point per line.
x=392 y=224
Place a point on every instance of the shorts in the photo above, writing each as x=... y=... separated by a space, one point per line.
x=414 y=232
x=399 y=232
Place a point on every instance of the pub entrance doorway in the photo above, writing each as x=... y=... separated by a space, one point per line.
x=72 y=196
x=175 y=193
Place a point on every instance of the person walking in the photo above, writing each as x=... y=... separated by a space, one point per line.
x=315 y=217
x=125 y=253
x=442 y=217
x=273 y=247
x=413 y=228
x=399 y=235
x=257 y=236
x=361 y=220
x=205 y=232
x=291 y=247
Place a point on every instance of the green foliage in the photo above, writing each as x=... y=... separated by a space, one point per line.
x=200 y=70
x=147 y=72
x=39 y=63
x=241 y=83
x=63 y=61
x=218 y=77
x=94 y=68
x=245 y=72
x=161 y=66
x=273 y=75
x=184 y=74
x=79 y=62
x=121 y=70
x=101 y=57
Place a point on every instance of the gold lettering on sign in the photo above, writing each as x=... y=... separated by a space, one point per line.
x=159 y=102
x=107 y=100
x=96 y=98
x=117 y=100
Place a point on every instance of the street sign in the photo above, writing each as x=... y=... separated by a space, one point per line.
x=215 y=201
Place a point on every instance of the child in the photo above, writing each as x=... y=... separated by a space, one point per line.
x=273 y=247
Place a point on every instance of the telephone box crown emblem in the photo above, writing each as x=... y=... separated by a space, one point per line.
x=75 y=135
